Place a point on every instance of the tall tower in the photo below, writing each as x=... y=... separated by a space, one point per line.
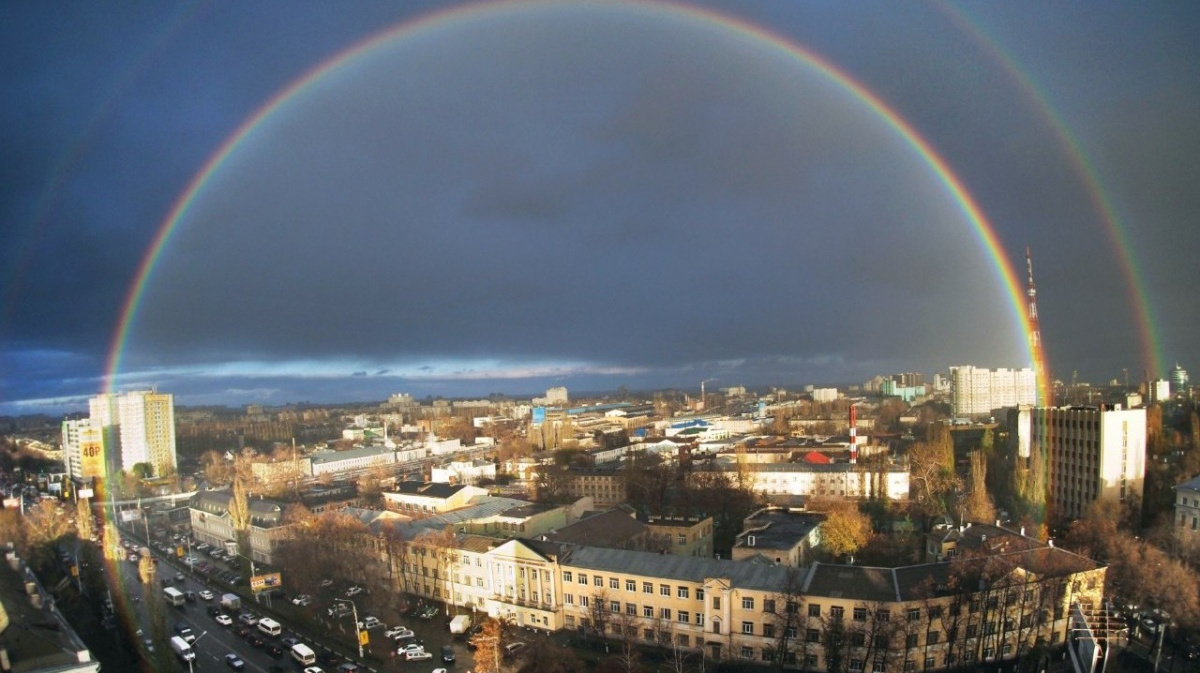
x=1035 y=338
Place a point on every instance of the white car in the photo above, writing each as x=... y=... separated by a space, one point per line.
x=313 y=669
x=206 y=594
x=326 y=583
x=411 y=647
x=370 y=623
x=417 y=656
x=395 y=631
x=224 y=620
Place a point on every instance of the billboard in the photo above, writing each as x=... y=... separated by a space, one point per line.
x=266 y=581
x=539 y=415
x=86 y=493
x=129 y=515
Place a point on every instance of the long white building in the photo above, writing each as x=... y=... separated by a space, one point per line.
x=975 y=391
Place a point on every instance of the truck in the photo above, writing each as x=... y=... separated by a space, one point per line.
x=460 y=624
x=182 y=649
x=231 y=602
x=173 y=596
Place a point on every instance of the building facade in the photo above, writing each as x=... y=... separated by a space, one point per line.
x=137 y=427
x=1091 y=453
x=976 y=392
x=83 y=449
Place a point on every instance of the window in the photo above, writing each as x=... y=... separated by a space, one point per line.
x=880 y=666
x=814 y=610
x=974 y=606
x=614 y=606
x=813 y=635
x=664 y=590
x=972 y=630
x=883 y=615
x=716 y=602
x=768 y=630
x=567 y=576
x=699 y=619
x=747 y=652
x=858 y=639
x=910 y=641
x=648 y=634
x=647 y=611
x=910 y=666
x=933 y=637
x=614 y=583
x=571 y=621
x=935 y=612
x=835 y=612
x=681 y=592
x=914 y=614
x=856 y=664
x=699 y=593
x=598 y=581
x=989 y=653
x=582 y=578
x=860 y=614
x=769 y=605
x=930 y=662
x=583 y=601
x=684 y=616
x=631 y=609
x=748 y=628
x=630 y=585
x=682 y=538
x=881 y=641
x=748 y=603
x=664 y=613
x=569 y=599
x=810 y=660
x=1006 y=650
x=647 y=588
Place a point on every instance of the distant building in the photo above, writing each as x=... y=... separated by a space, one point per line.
x=1179 y=380
x=213 y=523
x=1187 y=514
x=842 y=480
x=1160 y=390
x=824 y=394
x=778 y=536
x=977 y=392
x=555 y=397
x=354 y=460
x=138 y=427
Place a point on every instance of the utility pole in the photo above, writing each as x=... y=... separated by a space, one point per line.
x=357 y=628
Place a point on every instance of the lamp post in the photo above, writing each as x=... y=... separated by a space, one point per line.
x=190 y=670
x=357 y=628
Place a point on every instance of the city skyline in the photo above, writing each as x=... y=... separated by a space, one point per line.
x=248 y=206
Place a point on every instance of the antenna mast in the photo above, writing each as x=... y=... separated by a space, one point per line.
x=1040 y=371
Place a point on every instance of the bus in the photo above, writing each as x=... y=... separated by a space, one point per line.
x=173 y=596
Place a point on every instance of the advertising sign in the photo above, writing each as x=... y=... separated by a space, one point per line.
x=86 y=493
x=129 y=515
x=267 y=581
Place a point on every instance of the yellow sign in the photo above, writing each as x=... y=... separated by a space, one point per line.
x=364 y=637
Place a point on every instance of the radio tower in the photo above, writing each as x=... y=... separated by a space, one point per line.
x=1035 y=338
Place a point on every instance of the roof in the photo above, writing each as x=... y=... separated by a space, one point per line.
x=611 y=528
x=860 y=583
x=264 y=513
x=778 y=529
x=817 y=458
x=1192 y=484
x=833 y=468
x=37 y=638
x=427 y=489
x=350 y=454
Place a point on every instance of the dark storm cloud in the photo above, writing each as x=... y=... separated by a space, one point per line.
x=589 y=198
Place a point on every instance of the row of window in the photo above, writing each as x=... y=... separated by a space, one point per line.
x=631 y=585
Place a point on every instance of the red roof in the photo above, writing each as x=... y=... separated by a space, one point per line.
x=817 y=458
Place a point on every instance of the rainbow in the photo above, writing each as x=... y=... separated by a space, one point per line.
x=1117 y=232
x=701 y=17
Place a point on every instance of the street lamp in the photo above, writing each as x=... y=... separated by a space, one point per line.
x=194 y=651
x=357 y=628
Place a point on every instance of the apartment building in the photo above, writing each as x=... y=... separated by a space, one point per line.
x=137 y=427
x=976 y=392
x=418 y=498
x=1187 y=515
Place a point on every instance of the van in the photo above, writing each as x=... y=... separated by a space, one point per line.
x=269 y=626
x=303 y=654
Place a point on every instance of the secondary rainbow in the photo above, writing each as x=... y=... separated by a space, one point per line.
x=702 y=17
x=1115 y=230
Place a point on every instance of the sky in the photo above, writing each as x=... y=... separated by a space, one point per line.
x=459 y=199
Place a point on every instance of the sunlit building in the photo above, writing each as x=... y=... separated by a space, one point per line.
x=83 y=448
x=976 y=392
x=137 y=427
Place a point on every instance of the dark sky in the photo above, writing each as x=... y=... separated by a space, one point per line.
x=510 y=197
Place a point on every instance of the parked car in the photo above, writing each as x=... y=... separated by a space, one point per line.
x=411 y=647
x=371 y=622
x=395 y=631
x=513 y=649
x=447 y=654
x=354 y=591
x=421 y=655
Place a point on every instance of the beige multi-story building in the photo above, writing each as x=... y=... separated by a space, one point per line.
x=1091 y=453
x=138 y=427
x=213 y=523
x=975 y=391
x=847 y=480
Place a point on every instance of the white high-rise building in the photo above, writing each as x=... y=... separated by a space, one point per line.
x=1092 y=453
x=139 y=427
x=975 y=391
x=83 y=448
